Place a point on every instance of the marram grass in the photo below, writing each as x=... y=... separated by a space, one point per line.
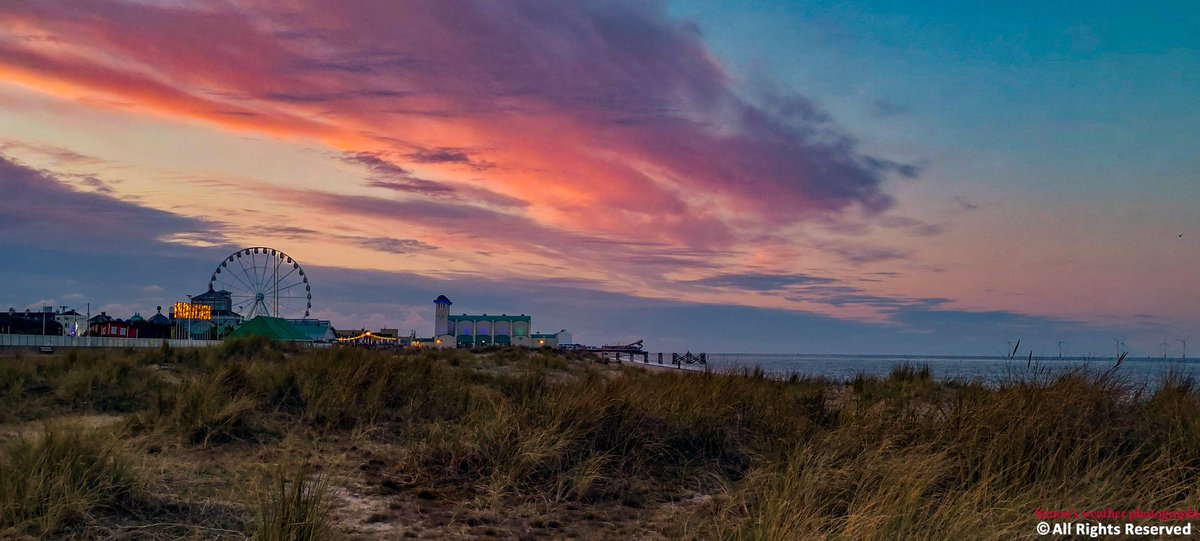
x=738 y=456
x=292 y=504
x=61 y=478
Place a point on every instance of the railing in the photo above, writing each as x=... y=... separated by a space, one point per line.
x=54 y=341
x=689 y=358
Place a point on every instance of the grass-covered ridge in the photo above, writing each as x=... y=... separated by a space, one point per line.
x=258 y=440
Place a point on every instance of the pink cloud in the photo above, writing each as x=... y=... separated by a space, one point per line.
x=599 y=121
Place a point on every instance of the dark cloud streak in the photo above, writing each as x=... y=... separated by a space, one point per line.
x=41 y=209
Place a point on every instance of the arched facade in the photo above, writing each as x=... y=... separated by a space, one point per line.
x=485 y=330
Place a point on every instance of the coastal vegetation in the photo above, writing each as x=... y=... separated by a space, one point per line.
x=260 y=440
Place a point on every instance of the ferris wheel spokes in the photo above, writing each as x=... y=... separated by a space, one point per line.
x=261 y=283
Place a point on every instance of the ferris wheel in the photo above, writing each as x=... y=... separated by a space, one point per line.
x=264 y=281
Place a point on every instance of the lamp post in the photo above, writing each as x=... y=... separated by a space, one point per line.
x=187 y=323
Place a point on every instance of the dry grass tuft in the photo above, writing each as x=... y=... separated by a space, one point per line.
x=62 y=479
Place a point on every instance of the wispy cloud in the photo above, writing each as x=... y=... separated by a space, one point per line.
x=58 y=155
x=447 y=155
x=388 y=175
x=389 y=245
x=762 y=282
x=40 y=208
x=96 y=184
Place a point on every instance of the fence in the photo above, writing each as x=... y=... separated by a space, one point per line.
x=37 y=340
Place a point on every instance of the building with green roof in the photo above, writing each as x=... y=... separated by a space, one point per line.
x=271 y=327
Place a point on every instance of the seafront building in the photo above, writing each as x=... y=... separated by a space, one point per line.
x=224 y=319
x=450 y=331
x=317 y=330
x=73 y=323
x=111 y=327
x=484 y=330
x=480 y=330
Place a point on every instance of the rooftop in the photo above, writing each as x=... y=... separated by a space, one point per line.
x=501 y=317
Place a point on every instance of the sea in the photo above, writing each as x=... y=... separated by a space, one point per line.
x=1137 y=372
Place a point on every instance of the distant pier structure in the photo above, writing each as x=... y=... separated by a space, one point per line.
x=633 y=351
x=689 y=358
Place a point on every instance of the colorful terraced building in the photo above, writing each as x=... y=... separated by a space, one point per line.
x=466 y=330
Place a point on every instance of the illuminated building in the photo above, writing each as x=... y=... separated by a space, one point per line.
x=73 y=323
x=484 y=330
x=223 y=320
x=550 y=340
x=467 y=330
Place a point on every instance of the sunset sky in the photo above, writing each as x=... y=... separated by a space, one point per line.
x=817 y=177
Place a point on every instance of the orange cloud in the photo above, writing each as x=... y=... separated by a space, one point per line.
x=598 y=128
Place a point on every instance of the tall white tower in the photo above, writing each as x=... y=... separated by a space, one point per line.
x=441 y=316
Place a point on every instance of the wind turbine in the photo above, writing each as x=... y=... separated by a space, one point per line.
x=1120 y=345
x=1184 y=342
x=1165 y=345
x=1060 y=348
